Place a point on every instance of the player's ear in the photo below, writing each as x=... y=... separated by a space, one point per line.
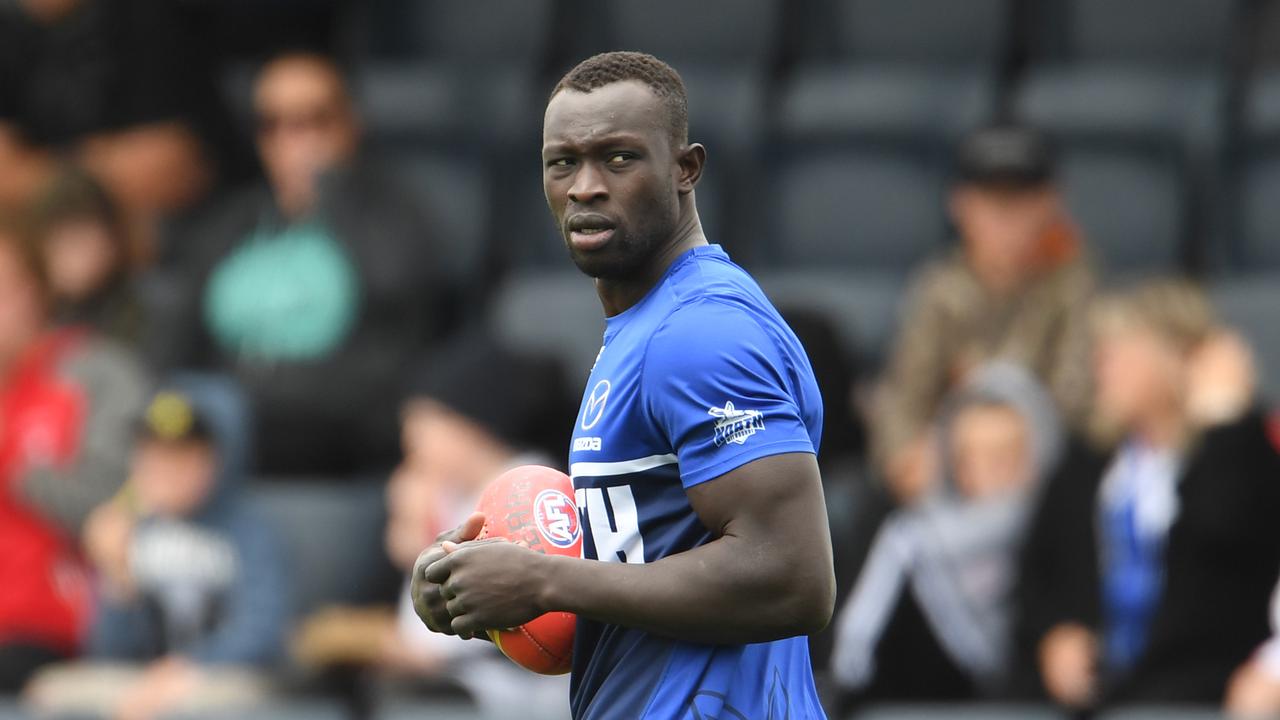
x=691 y=159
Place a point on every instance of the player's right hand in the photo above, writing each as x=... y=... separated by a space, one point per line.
x=428 y=602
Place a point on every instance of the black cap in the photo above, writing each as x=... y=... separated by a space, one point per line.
x=1006 y=154
x=172 y=417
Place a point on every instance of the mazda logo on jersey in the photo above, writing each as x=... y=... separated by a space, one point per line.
x=557 y=518
x=594 y=408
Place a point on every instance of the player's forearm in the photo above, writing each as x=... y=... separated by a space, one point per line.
x=724 y=592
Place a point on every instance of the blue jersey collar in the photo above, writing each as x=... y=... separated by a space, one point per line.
x=616 y=322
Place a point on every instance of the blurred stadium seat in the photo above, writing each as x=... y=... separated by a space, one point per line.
x=916 y=32
x=728 y=33
x=1169 y=32
x=483 y=32
x=553 y=313
x=960 y=712
x=1138 y=72
x=400 y=101
x=925 y=69
x=856 y=207
x=895 y=101
x=726 y=107
x=524 y=231
x=1130 y=205
x=443 y=104
x=1262 y=36
x=332 y=534
x=1102 y=101
x=1139 y=151
x=1260 y=113
x=1257 y=242
x=1250 y=304
x=456 y=190
x=473 y=71
x=10 y=710
x=863 y=306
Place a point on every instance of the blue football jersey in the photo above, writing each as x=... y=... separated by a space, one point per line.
x=700 y=377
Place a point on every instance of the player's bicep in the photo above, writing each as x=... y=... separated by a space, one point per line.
x=773 y=512
x=777 y=500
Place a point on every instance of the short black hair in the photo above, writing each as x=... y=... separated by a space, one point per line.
x=618 y=66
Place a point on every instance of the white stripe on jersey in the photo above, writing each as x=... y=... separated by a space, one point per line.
x=621 y=467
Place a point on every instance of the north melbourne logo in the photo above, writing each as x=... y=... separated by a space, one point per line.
x=734 y=425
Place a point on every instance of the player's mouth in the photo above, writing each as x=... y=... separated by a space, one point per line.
x=589 y=231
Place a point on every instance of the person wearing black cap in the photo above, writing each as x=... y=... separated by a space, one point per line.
x=1016 y=289
x=475 y=410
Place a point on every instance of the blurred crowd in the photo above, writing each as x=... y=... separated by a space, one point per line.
x=1052 y=489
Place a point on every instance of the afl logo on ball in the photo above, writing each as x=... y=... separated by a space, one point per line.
x=557 y=518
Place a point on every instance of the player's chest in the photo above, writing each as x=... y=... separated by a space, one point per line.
x=613 y=422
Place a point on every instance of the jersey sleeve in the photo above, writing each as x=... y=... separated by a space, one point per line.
x=719 y=387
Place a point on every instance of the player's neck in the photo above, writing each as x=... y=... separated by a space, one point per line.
x=618 y=295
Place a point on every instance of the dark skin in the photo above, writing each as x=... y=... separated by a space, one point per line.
x=612 y=161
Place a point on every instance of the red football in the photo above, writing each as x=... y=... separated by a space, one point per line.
x=534 y=505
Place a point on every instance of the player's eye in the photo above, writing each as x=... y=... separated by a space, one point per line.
x=620 y=158
x=559 y=162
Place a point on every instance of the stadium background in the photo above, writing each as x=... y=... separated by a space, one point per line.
x=831 y=127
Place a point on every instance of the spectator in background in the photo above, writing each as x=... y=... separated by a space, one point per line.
x=115 y=84
x=67 y=403
x=1017 y=289
x=1147 y=574
x=316 y=290
x=476 y=411
x=836 y=370
x=931 y=614
x=192 y=600
x=86 y=251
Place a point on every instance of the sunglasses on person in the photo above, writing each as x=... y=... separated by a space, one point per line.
x=312 y=119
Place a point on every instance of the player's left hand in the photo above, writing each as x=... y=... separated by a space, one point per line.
x=489 y=584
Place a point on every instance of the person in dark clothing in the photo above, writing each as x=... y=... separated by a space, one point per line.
x=836 y=369
x=313 y=290
x=1148 y=573
x=86 y=251
x=117 y=85
x=477 y=409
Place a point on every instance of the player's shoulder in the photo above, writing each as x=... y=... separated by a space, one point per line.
x=707 y=272
x=712 y=328
x=712 y=306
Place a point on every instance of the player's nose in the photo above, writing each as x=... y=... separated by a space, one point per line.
x=588 y=185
